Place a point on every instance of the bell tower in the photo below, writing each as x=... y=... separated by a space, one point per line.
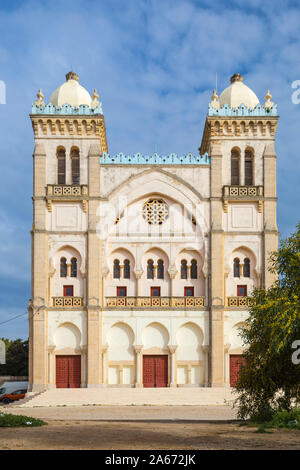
x=70 y=136
x=239 y=136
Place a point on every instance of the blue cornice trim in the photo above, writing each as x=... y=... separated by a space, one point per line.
x=242 y=110
x=155 y=159
x=67 y=109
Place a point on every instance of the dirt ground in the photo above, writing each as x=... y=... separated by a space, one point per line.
x=147 y=435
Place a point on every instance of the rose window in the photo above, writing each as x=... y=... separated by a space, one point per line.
x=155 y=211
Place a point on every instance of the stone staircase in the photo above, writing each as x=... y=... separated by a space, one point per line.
x=28 y=397
x=129 y=396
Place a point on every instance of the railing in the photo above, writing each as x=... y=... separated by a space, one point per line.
x=239 y=301
x=151 y=302
x=67 y=190
x=242 y=191
x=65 y=302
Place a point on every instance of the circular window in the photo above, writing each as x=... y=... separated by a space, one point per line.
x=155 y=211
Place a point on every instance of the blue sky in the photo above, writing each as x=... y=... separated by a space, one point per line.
x=154 y=64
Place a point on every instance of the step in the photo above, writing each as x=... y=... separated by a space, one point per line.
x=130 y=396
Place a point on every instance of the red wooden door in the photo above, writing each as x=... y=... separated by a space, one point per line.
x=236 y=362
x=155 y=371
x=68 y=371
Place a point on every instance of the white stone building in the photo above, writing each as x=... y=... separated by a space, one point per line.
x=141 y=266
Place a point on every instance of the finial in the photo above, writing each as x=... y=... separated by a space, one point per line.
x=40 y=96
x=215 y=103
x=237 y=77
x=72 y=76
x=95 y=101
x=268 y=103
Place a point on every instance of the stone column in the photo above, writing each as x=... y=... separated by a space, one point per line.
x=172 y=350
x=103 y=350
x=38 y=343
x=84 y=365
x=94 y=272
x=205 y=350
x=270 y=225
x=226 y=352
x=139 y=366
x=138 y=275
x=217 y=270
x=51 y=357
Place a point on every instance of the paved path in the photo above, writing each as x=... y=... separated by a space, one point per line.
x=127 y=413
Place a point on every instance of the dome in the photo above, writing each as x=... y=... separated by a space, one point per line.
x=71 y=93
x=238 y=93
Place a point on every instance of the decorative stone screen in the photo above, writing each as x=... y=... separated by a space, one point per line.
x=155 y=211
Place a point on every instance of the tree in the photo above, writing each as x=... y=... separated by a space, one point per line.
x=16 y=358
x=270 y=378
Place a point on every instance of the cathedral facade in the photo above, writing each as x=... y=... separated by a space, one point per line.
x=142 y=265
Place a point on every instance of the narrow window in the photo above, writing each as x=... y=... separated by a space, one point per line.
x=61 y=166
x=189 y=292
x=248 y=168
x=150 y=269
x=183 y=271
x=160 y=269
x=73 y=267
x=126 y=269
x=241 y=291
x=116 y=273
x=75 y=166
x=63 y=267
x=235 y=168
x=236 y=267
x=121 y=291
x=68 y=291
x=246 y=270
x=155 y=291
x=194 y=269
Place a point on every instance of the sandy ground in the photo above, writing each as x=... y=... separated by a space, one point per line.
x=144 y=435
x=148 y=428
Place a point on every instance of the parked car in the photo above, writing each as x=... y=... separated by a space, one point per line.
x=11 y=391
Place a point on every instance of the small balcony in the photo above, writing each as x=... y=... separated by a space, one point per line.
x=243 y=191
x=155 y=302
x=239 y=301
x=67 y=302
x=66 y=190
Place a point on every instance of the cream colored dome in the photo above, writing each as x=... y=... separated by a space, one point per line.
x=238 y=93
x=71 y=93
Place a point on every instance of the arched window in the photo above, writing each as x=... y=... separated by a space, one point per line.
x=75 y=166
x=63 y=267
x=246 y=270
x=160 y=269
x=248 y=167
x=126 y=269
x=150 y=269
x=236 y=267
x=194 y=269
x=235 y=167
x=61 y=166
x=116 y=269
x=73 y=267
x=183 y=271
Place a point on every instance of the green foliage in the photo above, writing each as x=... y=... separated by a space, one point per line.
x=270 y=381
x=12 y=421
x=16 y=358
x=279 y=419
